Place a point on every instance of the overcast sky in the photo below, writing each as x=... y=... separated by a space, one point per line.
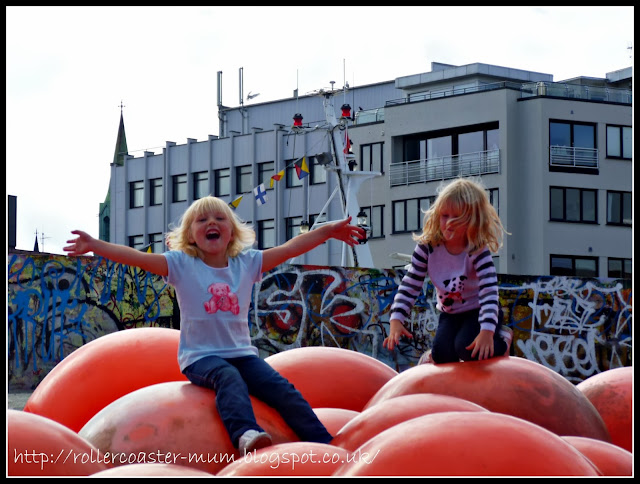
x=69 y=68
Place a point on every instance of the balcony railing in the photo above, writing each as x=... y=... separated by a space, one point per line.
x=573 y=157
x=369 y=116
x=441 y=168
x=576 y=91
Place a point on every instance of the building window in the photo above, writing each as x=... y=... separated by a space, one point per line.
x=265 y=172
x=619 y=268
x=136 y=241
x=266 y=234
x=494 y=199
x=136 y=194
x=155 y=191
x=244 y=183
x=371 y=157
x=200 y=184
x=409 y=214
x=293 y=226
x=619 y=142
x=222 y=182
x=376 y=221
x=568 y=265
x=618 y=208
x=573 y=205
x=179 y=188
x=317 y=172
x=155 y=240
x=292 y=175
x=572 y=144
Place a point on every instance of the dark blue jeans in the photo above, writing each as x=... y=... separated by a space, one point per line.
x=234 y=379
x=457 y=331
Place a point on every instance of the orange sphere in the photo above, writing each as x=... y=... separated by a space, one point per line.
x=289 y=459
x=466 y=444
x=332 y=377
x=38 y=446
x=173 y=423
x=386 y=414
x=610 y=459
x=334 y=418
x=611 y=392
x=157 y=469
x=103 y=370
x=511 y=385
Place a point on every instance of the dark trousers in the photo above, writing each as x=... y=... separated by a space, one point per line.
x=234 y=379
x=457 y=331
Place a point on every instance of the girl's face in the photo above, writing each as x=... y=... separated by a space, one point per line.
x=211 y=232
x=455 y=235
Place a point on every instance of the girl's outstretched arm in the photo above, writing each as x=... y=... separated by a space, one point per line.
x=302 y=243
x=155 y=263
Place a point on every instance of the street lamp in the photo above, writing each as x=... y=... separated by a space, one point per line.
x=362 y=221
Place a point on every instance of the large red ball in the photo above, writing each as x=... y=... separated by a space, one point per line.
x=289 y=459
x=610 y=459
x=466 y=444
x=158 y=470
x=334 y=418
x=510 y=385
x=332 y=377
x=173 y=423
x=611 y=392
x=103 y=370
x=388 y=413
x=39 y=446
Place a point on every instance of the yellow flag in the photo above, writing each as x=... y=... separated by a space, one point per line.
x=236 y=202
x=276 y=177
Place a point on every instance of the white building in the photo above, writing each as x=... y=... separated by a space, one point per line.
x=555 y=157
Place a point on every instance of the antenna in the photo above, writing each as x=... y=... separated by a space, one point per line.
x=630 y=49
x=219 y=88
x=241 y=86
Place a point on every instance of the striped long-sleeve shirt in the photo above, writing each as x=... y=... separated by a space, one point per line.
x=462 y=282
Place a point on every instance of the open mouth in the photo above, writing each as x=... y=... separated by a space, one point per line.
x=213 y=236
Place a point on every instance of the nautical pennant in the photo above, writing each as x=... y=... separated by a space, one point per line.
x=260 y=194
x=276 y=177
x=236 y=202
x=301 y=168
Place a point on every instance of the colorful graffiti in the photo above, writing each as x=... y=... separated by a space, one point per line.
x=56 y=304
x=577 y=327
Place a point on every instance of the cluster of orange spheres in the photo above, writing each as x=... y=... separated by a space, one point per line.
x=119 y=406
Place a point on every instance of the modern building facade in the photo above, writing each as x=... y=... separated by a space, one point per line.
x=555 y=158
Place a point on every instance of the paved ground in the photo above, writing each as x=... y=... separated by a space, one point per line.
x=16 y=401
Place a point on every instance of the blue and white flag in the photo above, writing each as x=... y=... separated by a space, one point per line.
x=260 y=194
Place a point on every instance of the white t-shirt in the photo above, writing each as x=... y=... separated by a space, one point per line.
x=214 y=304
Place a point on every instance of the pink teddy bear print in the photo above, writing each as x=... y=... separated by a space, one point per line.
x=222 y=299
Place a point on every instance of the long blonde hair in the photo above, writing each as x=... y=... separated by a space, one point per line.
x=178 y=237
x=469 y=198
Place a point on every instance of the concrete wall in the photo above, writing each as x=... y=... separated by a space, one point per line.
x=577 y=327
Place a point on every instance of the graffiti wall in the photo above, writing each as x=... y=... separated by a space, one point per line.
x=577 y=327
x=55 y=304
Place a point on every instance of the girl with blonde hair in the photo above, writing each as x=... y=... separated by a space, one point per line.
x=460 y=231
x=213 y=269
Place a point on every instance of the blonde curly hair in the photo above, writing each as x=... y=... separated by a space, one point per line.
x=469 y=198
x=178 y=237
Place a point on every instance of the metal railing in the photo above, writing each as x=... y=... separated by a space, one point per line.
x=573 y=157
x=454 y=91
x=576 y=91
x=369 y=116
x=442 y=168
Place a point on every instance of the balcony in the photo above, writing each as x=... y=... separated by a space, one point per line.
x=369 y=116
x=442 y=168
x=568 y=157
x=576 y=91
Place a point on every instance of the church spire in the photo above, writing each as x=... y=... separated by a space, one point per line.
x=121 y=141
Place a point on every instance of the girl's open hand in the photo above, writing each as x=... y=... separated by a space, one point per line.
x=482 y=345
x=80 y=245
x=396 y=331
x=349 y=234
